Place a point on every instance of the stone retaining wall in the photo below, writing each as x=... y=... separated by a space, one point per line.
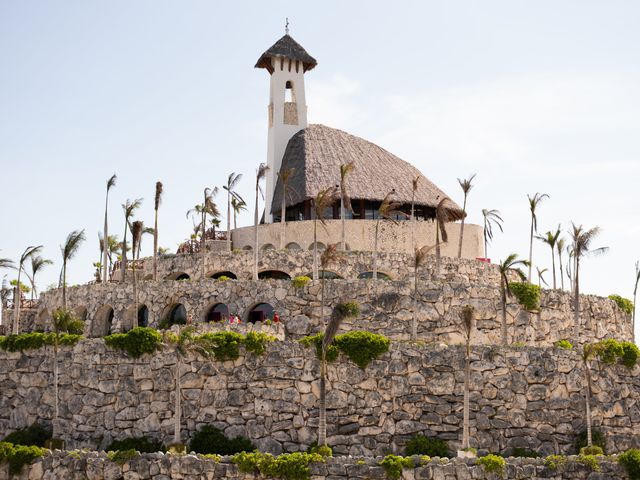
x=525 y=397
x=156 y=466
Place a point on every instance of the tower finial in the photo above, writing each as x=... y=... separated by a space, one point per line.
x=286 y=26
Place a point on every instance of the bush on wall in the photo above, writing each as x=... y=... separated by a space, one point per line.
x=33 y=340
x=624 y=304
x=528 y=295
x=136 y=342
x=360 y=346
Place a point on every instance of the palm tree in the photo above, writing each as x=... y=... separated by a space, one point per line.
x=68 y=251
x=582 y=240
x=238 y=206
x=261 y=173
x=110 y=183
x=541 y=279
x=345 y=200
x=420 y=256
x=511 y=264
x=466 y=186
x=136 y=233
x=560 y=245
x=443 y=216
x=414 y=189
x=533 y=205
x=6 y=263
x=551 y=239
x=329 y=255
x=388 y=209
x=323 y=200
x=589 y=351
x=635 y=291
x=232 y=183
x=468 y=324
x=492 y=219
x=129 y=208
x=156 y=206
x=208 y=206
x=285 y=177
x=17 y=298
x=37 y=264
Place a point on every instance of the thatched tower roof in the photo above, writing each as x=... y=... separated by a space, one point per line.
x=286 y=47
x=316 y=153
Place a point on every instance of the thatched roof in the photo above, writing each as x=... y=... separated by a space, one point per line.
x=286 y=47
x=316 y=153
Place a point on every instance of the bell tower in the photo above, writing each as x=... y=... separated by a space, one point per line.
x=287 y=62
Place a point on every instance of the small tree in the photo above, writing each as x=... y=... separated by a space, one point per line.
x=323 y=200
x=467 y=318
x=466 y=186
x=238 y=206
x=128 y=208
x=208 y=206
x=105 y=248
x=533 y=205
x=345 y=200
x=551 y=239
x=68 y=251
x=156 y=206
x=388 y=209
x=37 y=264
x=261 y=173
x=230 y=187
x=560 y=246
x=28 y=253
x=511 y=264
x=491 y=218
x=443 y=216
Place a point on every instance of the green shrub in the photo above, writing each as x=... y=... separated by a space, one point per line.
x=223 y=278
x=393 y=465
x=630 y=354
x=210 y=440
x=136 y=342
x=224 y=345
x=624 y=304
x=34 y=340
x=65 y=321
x=34 y=435
x=492 y=463
x=564 y=344
x=593 y=450
x=140 y=444
x=597 y=439
x=288 y=466
x=630 y=460
x=256 y=342
x=361 y=347
x=122 y=456
x=301 y=281
x=18 y=455
x=348 y=309
x=609 y=350
x=554 y=462
x=527 y=294
x=322 y=450
x=524 y=452
x=423 y=445
x=591 y=461
x=316 y=341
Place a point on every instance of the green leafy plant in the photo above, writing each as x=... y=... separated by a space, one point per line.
x=136 y=342
x=630 y=354
x=212 y=456
x=33 y=435
x=492 y=463
x=18 y=455
x=301 y=281
x=140 y=444
x=360 y=346
x=348 y=309
x=393 y=465
x=624 y=304
x=422 y=445
x=223 y=278
x=528 y=295
x=591 y=461
x=34 y=340
x=256 y=342
x=554 y=462
x=630 y=460
x=122 y=456
x=224 y=345
x=322 y=450
x=564 y=344
x=593 y=450
x=210 y=440
x=597 y=437
x=288 y=466
x=611 y=351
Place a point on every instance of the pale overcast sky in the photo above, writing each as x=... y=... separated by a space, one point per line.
x=532 y=96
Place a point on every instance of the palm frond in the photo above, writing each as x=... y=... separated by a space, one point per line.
x=7 y=263
x=158 y=196
x=414 y=183
x=390 y=208
x=130 y=206
x=443 y=216
x=324 y=199
x=29 y=252
x=329 y=255
x=111 y=182
x=420 y=254
x=72 y=244
x=466 y=184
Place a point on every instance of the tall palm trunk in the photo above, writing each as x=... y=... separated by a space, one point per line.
x=553 y=267
x=123 y=263
x=322 y=417
x=56 y=386
x=561 y=272
x=503 y=299
x=530 y=250
x=283 y=221
x=105 y=243
x=438 y=247
x=155 y=245
x=414 y=322
x=178 y=403
x=343 y=240
x=576 y=300
x=64 y=284
x=465 y=401
x=255 y=238
x=203 y=243
x=17 y=300
x=464 y=209
x=413 y=220
x=375 y=252
x=134 y=323
x=229 y=220
x=587 y=396
x=315 y=248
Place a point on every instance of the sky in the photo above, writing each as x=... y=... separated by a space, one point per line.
x=531 y=96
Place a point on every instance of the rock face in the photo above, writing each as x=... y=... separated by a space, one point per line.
x=520 y=397
x=156 y=466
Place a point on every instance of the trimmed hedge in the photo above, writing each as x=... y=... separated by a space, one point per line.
x=136 y=342
x=33 y=340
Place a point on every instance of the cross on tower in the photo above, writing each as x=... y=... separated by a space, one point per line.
x=286 y=26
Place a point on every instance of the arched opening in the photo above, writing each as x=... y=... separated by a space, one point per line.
x=102 y=321
x=293 y=246
x=248 y=248
x=326 y=274
x=288 y=92
x=176 y=314
x=177 y=276
x=274 y=275
x=381 y=276
x=217 y=313
x=143 y=316
x=321 y=246
x=268 y=246
x=260 y=313
x=231 y=275
x=80 y=313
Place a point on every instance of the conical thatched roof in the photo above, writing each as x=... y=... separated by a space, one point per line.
x=316 y=153
x=286 y=47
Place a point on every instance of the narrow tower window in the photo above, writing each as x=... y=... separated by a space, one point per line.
x=288 y=92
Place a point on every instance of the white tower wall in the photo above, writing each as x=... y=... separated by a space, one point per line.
x=287 y=116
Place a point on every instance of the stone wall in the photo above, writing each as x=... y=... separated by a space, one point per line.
x=525 y=397
x=386 y=307
x=156 y=466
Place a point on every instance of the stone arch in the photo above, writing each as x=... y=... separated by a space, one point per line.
x=267 y=246
x=274 y=275
x=326 y=274
x=292 y=246
x=178 y=276
x=248 y=248
x=260 y=312
x=217 y=275
x=130 y=314
x=216 y=312
x=381 y=275
x=102 y=321
x=80 y=313
x=174 y=314
x=321 y=246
